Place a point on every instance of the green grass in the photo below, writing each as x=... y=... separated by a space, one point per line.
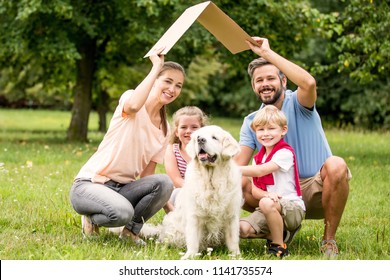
x=37 y=222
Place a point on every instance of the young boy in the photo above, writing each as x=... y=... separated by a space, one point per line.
x=275 y=184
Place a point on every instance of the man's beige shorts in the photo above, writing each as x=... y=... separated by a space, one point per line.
x=311 y=189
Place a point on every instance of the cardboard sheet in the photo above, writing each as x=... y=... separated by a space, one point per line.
x=228 y=32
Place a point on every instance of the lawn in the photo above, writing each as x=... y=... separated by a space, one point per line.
x=37 y=167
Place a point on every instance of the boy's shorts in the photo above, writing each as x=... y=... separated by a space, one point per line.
x=292 y=215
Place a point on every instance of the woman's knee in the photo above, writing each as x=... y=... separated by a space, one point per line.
x=123 y=217
x=120 y=216
x=165 y=185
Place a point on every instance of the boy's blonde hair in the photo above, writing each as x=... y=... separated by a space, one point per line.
x=269 y=114
x=186 y=111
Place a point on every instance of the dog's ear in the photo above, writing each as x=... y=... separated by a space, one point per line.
x=230 y=146
x=190 y=148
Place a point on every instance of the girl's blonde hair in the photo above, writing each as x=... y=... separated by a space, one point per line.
x=186 y=111
x=269 y=114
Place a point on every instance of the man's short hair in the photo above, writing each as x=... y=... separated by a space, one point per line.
x=259 y=62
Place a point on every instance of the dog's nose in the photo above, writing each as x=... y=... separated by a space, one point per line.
x=201 y=140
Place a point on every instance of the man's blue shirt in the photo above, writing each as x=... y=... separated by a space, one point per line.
x=305 y=134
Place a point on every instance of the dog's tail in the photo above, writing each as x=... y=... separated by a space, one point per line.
x=151 y=231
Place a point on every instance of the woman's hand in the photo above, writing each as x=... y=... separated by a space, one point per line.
x=156 y=57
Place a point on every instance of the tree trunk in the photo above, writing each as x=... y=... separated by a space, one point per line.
x=78 y=128
x=103 y=97
x=102 y=109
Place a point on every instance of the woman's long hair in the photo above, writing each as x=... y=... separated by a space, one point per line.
x=168 y=65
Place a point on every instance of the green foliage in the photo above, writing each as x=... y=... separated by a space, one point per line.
x=371 y=108
x=365 y=43
x=197 y=90
x=362 y=39
x=348 y=54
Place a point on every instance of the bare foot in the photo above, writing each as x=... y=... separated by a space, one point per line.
x=88 y=228
x=127 y=234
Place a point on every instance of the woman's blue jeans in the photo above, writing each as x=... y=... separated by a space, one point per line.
x=130 y=205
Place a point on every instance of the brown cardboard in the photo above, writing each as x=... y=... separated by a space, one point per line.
x=228 y=32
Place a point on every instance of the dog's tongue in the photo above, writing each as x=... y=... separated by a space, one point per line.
x=203 y=156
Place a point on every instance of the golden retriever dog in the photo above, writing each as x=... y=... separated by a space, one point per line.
x=207 y=208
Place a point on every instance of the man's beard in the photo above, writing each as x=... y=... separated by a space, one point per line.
x=274 y=99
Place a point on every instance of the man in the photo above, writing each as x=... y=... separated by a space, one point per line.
x=324 y=178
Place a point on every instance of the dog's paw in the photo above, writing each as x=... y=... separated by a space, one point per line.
x=235 y=255
x=190 y=255
x=115 y=230
x=233 y=250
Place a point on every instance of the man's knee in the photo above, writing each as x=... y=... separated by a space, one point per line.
x=335 y=168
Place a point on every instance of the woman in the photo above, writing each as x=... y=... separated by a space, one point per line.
x=117 y=186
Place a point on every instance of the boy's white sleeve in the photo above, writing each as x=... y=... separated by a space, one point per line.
x=284 y=158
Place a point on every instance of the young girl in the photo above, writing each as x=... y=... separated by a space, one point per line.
x=185 y=121
x=117 y=186
x=275 y=183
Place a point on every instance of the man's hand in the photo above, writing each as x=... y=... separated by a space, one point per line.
x=262 y=48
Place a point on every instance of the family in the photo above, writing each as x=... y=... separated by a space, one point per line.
x=294 y=175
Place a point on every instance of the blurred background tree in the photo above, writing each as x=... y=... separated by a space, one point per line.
x=84 y=53
x=80 y=55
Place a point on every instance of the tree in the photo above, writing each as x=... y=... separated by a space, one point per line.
x=89 y=37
